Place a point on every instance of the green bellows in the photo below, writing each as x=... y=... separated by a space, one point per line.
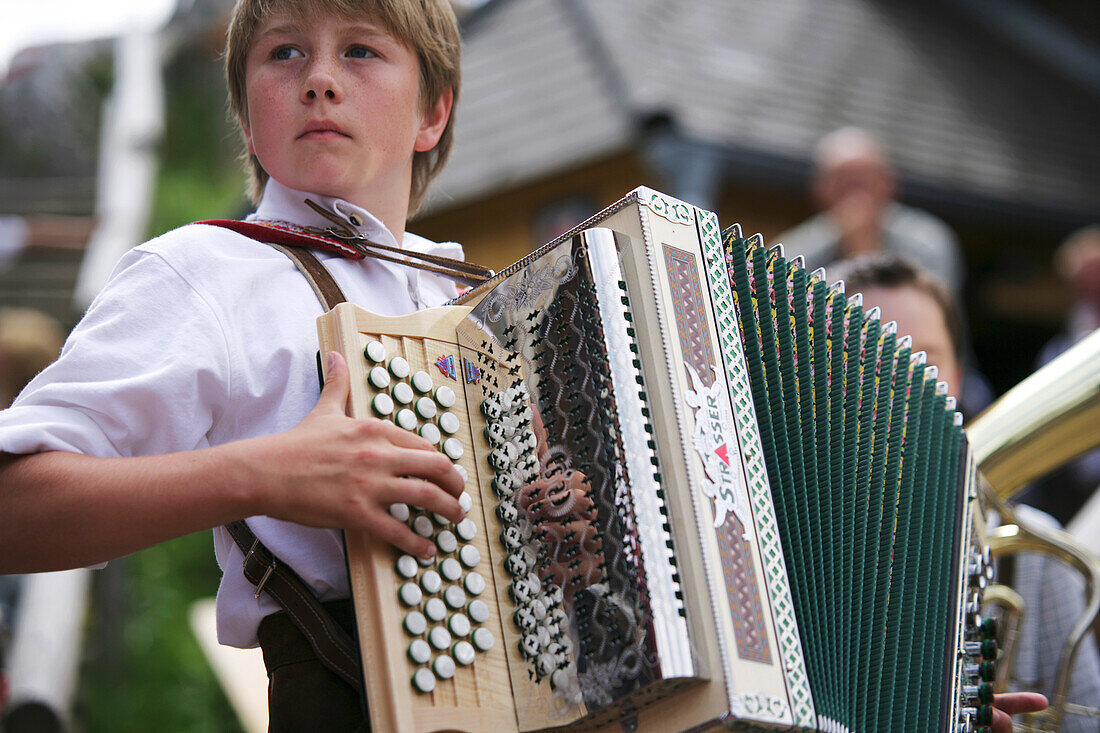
x=863 y=457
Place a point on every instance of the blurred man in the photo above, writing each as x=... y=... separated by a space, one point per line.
x=1077 y=262
x=854 y=187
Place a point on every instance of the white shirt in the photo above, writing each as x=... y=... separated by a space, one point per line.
x=203 y=336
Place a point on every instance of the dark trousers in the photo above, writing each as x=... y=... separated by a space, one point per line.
x=303 y=694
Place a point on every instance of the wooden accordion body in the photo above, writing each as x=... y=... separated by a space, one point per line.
x=707 y=491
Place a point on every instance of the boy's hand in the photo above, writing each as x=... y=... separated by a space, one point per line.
x=334 y=471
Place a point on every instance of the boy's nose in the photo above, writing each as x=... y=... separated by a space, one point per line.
x=320 y=83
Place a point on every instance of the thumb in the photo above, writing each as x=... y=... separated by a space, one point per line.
x=334 y=393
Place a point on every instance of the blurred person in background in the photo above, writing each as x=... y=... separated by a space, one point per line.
x=854 y=186
x=29 y=342
x=923 y=309
x=1053 y=593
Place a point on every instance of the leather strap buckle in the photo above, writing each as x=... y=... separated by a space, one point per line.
x=268 y=564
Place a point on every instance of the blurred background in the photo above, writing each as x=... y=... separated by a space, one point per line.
x=113 y=129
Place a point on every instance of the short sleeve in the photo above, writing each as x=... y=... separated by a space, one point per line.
x=145 y=372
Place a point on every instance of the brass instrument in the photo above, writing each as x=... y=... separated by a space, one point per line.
x=1047 y=420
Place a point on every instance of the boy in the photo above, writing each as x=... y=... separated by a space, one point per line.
x=187 y=397
x=192 y=376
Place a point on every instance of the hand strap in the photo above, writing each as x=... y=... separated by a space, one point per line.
x=333 y=646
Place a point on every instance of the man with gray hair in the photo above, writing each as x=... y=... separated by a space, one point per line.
x=854 y=186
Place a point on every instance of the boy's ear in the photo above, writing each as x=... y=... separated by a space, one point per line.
x=434 y=122
x=247 y=130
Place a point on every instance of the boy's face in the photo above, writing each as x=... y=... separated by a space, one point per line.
x=334 y=109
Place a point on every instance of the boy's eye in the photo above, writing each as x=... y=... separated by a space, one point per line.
x=285 y=53
x=360 y=52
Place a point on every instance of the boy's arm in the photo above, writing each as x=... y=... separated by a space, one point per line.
x=66 y=510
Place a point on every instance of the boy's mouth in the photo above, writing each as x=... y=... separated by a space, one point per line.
x=322 y=130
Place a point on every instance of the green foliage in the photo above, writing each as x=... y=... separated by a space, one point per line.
x=199 y=176
x=159 y=679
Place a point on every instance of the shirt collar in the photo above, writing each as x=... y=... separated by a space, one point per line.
x=283 y=204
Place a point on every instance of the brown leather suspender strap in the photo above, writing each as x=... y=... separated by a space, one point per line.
x=334 y=647
x=316 y=274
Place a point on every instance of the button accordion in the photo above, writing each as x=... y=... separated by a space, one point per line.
x=705 y=489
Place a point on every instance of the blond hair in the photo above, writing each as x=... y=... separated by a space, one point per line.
x=428 y=27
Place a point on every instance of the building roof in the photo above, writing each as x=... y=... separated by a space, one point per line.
x=550 y=84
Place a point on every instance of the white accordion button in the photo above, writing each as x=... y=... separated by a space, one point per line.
x=425 y=408
x=435 y=610
x=415 y=623
x=440 y=638
x=423 y=526
x=448 y=423
x=422 y=382
x=475 y=584
x=431 y=582
x=469 y=555
x=399 y=367
x=400 y=512
x=423 y=680
x=495 y=434
x=454 y=596
x=484 y=639
x=406 y=566
x=375 y=351
x=459 y=624
x=403 y=393
x=445 y=396
x=410 y=594
x=446 y=541
x=382 y=404
x=419 y=651
x=464 y=499
x=444 y=667
x=430 y=433
x=406 y=419
x=479 y=611
x=453 y=448
x=379 y=378
x=513 y=538
x=544 y=665
x=466 y=530
x=450 y=569
x=529 y=645
x=463 y=653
